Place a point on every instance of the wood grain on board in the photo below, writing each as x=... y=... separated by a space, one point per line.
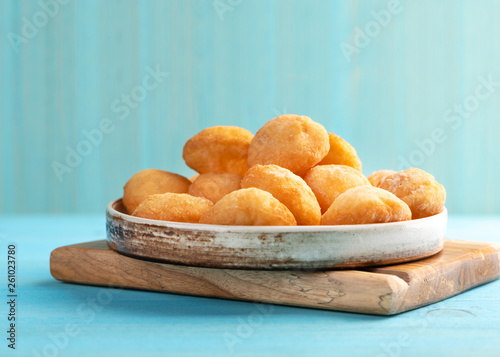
x=387 y=290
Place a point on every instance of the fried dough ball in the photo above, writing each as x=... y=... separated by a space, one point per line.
x=366 y=204
x=341 y=153
x=249 y=207
x=377 y=177
x=220 y=149
x=419 y=189
x=194 y=177
x=288 y=188
x=175 y=207
x=151 y=181
x=214 y=186
x=329 y=181
x=291 y=141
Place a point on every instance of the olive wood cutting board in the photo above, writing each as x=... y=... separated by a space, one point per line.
x=460 y=266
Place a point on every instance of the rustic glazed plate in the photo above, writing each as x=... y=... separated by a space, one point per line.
x=264 y=247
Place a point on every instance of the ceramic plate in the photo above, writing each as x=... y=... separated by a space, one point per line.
x=264 y=247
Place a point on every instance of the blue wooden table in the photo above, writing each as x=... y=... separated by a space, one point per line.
x=57 y=319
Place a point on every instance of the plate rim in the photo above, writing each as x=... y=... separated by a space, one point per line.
x=268 y=229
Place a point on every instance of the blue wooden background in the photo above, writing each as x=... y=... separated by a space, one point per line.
x=66 y=68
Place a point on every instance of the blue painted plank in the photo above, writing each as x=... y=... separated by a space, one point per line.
x=242 y=67
x=131 y=323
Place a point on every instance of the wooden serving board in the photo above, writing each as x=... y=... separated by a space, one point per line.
x=384 y=290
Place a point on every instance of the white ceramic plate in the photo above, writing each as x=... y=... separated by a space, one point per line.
x=264 y=247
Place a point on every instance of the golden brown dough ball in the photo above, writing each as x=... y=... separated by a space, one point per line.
x=214 y=186
x=174 y=207
x=419 y=189
x=249 y=207
x=291 y=141
x=378 y=176
x=341 y=153
x=194 y=177
x=364 y=205
x=151 y=181
x=329 y=181
x=288 y=188
x=219 y=149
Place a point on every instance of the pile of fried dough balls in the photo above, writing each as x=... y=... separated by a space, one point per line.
x=292 y=172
